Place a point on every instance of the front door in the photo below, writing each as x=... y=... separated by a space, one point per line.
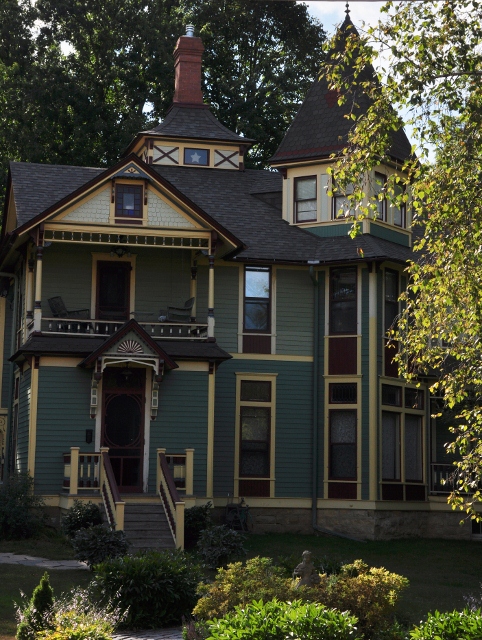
x=113 y=284
x=123 y=424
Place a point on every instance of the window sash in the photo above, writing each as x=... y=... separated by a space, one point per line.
x=257 y=308
x=390 y=446
x=343 y=444
x=305 y=199
x=343 y=301
x=380 y=180
x=128 y=201
x=255 y=437
x=413 y=448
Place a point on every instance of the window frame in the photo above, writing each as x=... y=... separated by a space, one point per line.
x=354 y=444
x=339 y=196
x=297 y=200
x=386 y=301
x=196 y=164
x=271 y=405
x=256 y=300
x=382 y=205
x=331 y=300
x=402 y=208
x=127 y=219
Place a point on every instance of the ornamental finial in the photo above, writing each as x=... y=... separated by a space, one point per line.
x=347 y=10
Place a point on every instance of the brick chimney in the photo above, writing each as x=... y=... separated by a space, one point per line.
x=187 y=66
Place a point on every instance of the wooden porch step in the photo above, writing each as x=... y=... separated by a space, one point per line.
x=146 y=526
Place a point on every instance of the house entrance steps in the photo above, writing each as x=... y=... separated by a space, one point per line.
x=145 y=523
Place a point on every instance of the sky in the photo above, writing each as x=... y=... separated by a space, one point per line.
x=333 y=12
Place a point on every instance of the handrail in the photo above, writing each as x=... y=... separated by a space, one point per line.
x=114 y=506
x=173 y=506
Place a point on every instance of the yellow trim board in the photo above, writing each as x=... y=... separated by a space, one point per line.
x=272 y=357
x=58 y=361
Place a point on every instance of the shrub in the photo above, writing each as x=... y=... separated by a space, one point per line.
x=22 y=513
x=368 y=593
x=154 y=589
x=276 y=620
x=77 y=617
x=81 y=515
x=464 y=624
x=99 y=543
x=35 y=615
x=217 y=545
x=196 y=519
x=239 y=584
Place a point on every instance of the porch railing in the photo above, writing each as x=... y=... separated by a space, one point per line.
x=92 y=327
x=442 y=478
x=171 y=501
x=182 y=468
x=92 y=472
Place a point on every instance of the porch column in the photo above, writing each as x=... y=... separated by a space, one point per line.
x=210 y=443
x=373 y=380
x=211 y=300
x=37 y=316
x=193 y=290
x=30 y=291
x=74 y=471
x=189 y=472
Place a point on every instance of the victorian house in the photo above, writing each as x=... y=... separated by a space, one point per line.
x=178 y=329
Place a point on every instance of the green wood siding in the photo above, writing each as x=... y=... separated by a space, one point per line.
x=182 y=422
x=226 y=302
x=162 y=279
x=67 y=272
x=63 y=415
x=389 y=234
x=294 y=312
x=293 y=431
x=23 y=421
x=330 y=231
x=364 y=430
x=7 y=366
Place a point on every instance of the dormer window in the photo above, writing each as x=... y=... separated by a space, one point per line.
x=199 y=157
x=305 y=199
x=380 y=183
x=128 y=204
x=399 y=210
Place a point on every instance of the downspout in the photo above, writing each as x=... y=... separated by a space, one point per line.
x=4 y=274
x=314 y=438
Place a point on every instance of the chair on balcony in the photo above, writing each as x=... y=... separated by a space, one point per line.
x=178 y=314
x=59 y=310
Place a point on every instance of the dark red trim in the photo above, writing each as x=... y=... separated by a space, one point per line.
x=110 y=477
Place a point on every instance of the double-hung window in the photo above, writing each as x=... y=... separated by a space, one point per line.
x=381 y=203
x=257 y=294
x=343 y=444
x=400 y=208
x=305 y=199
x=343 y=301
x=342 y=207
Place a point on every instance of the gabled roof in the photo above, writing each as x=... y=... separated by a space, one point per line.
x=131 y=326
x=320 y=127
x=192 y=122
x=51 y=181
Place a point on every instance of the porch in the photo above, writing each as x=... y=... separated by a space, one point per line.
x=90 y=475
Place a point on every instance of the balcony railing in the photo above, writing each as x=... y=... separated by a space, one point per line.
x=92 y=327
x=441 y=478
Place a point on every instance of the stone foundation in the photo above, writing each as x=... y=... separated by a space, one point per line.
x=364 y=524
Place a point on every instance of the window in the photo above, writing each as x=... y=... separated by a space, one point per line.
x=128 y=203
x=413 y=448
x=343 y=301
x=305 y=199
x=399 y=210
x=342 y=393
x=341 y=203
x=257 y=285
x=380 y=180
x=391 y=395
x=198 y=157
x=391 y=298
x=343 y=444
x=256 y=407
x=413 y=398
x=390 y=446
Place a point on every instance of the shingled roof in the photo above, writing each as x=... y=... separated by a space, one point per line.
x=231 y=198
x=320 y=127
x=194 y=122
x=38 y=186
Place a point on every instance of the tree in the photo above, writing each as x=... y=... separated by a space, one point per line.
x=77 y=88
x=432 y=75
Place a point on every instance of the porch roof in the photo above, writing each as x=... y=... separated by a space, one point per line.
x=59 y=345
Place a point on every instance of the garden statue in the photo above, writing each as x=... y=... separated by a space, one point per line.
x=306 y=571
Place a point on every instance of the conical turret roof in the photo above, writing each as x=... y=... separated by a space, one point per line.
x=320 y=127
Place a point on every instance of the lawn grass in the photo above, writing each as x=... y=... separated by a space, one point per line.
x=441 y=572
x=16 y=578
x=49 y=544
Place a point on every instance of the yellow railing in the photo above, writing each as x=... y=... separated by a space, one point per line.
x=173 y=506
x=93 y=472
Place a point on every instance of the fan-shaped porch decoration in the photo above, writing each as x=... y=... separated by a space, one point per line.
x=130 y=346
